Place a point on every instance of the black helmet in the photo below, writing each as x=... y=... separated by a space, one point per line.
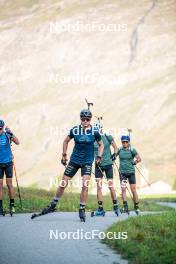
x=1 y=124
x=85 y=113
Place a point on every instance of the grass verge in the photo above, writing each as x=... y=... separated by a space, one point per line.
x=34 y=200
x=151 y=239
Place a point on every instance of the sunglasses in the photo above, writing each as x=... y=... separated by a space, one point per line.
x=85 y=119
x=125 y=142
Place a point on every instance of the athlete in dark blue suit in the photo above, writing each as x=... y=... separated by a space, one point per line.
x=82 y=157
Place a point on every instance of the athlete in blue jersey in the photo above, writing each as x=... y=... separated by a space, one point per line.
x=82 y=158
x=6 y=164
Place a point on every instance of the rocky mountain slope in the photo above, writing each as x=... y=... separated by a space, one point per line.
x=118 y=54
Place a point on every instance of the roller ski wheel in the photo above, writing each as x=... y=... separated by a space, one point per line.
x=2 y=213
x=36 y=215
x=11 y=210
x=137 y=211
x=124 y=211
x=82 y=215
x=98 y=213
x=116 y=210
x=49 y=209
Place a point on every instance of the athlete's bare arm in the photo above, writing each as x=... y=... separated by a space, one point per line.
x=15 y=140
x=113 y=144
x=101 y=148
x=138 y=158
x=65 y=144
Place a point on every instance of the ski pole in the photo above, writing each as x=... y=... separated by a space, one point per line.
x=88 y=104
x=143 y=176
x=17 y=185
x=129 y=131
x=100 y=169
x=14 y=168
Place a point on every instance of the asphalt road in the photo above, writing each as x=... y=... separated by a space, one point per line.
x=26 y=241
x=170 y=204
x=53 y=238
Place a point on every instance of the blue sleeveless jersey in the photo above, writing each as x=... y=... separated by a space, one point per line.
x=5 y=151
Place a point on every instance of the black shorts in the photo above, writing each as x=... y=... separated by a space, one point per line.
x=107 y=169
x=128 y=176
x=72 y=169
x=7 y=169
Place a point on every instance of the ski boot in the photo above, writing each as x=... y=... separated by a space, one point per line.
x=49 y=209
x=136 y=209
x=125 y=209
x=99 y=212
x=2 y=213
x=116 y=210
x=82 y=214
x=11 y=209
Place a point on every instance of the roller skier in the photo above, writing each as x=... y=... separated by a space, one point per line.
x=105 y=166
x=6 y=165
x=82 y=158
x=128 y=158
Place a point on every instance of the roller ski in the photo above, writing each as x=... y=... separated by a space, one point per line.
x=125 y=210
x=116 y=210
x=11 y=209
x=2 y=212
x=136 y=209
x=82 y=215
x=99 y=212
x=49 y=209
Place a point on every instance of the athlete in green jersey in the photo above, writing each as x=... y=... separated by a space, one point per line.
x=128 y=158
x=106 y=166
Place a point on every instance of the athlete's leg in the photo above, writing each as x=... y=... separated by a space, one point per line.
x=112 y=189
x=99 y=189
x=99 y=181
x=1 y=189
x=86 y=174
x=70 y=171
x=132 y=182
x=123 y=179
x=123 y=184
x=60 y=191
x=109 y=176
x=10 y=188
x=134 y=192
x=84 y=192
x=9 y=175
x=11 y=194
x=63 y=185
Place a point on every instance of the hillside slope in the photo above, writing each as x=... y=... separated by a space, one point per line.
x=129 y=74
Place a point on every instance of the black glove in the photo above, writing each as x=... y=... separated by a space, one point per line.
x=9 y=132
x=98 y=160
x=64 y=159
x=114 y=156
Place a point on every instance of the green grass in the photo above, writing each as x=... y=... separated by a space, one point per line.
x=36 y=199
x=151 y=239
x=160 y=198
